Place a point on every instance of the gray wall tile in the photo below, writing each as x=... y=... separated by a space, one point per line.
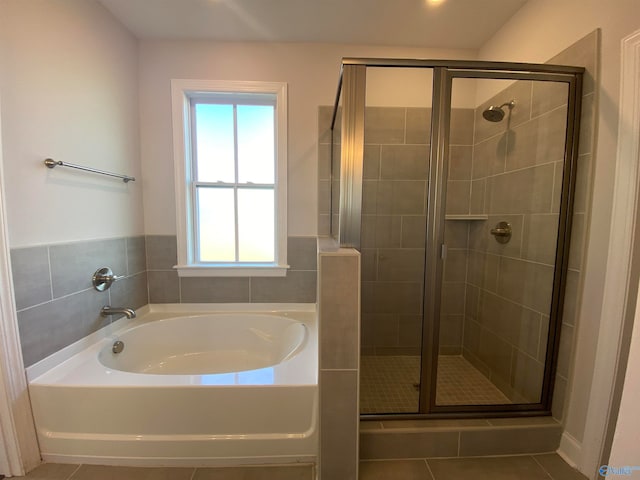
x=73 y=264
x=458 y=195
x=510 y=441
x=339 y=311
x=136 y=255
x=339 y=421
x=162 y=252
x=384 y=125
x=130 y=292
x=296 y=287
x=387 y=445
x=49 y=327
x=164 y=286
x=31 y=276
x=460 y=162
x=418 y=125
x=302 y=253
x=403 y=162
x=214 y=290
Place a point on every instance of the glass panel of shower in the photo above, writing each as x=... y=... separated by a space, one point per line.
x=456 y=185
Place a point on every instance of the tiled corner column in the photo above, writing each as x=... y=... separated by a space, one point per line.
x=339 y=332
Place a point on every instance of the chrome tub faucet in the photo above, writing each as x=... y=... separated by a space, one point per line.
x=108 y=311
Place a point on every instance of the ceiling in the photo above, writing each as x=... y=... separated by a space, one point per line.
x=417 y=23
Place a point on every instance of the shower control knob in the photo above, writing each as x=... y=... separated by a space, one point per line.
x=103 y=278
x=502 y=232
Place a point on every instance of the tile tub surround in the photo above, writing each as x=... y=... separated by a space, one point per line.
x=57 y=304
x=55 y=299
x=165 y=286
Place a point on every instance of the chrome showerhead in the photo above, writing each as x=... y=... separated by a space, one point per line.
x=496 y=114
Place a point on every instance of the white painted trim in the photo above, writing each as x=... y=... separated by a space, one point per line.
x=20 y=452
x=625 y=204
x=569 y=449
x=181 y=92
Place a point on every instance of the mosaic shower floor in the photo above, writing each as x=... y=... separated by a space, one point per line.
x=388 y=384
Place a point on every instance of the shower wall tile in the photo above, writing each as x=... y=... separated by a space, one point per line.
x=458 y=195
x=380 y=330
x=31 y=276
x=324 y=197
x=582 y=53
x=413 y=230
x=478 y=197
x=543 y=438
x=452 y=301
x=214 y=290
x=325 y=114
x=73 y=264
x=517 y=325
x=51 y=326
x=587 y=124
x=490 y=156
x=411 y=444
x=403 y=162
x=526 y=376
x=539 y=238
x=527 y=283
x=401 y=264
x=410 y=331
x=460 y=162
x=456 y=234
x=391 y=297
x=418 y=126
x=582 y=183
x=324 y=161
x=455 y=265
x=382 y=231
x=521 y=192
x=371 y=162
x=461 y=126
x=547 y=96
x=403 y=197
x=577 y=241
x=451 y=330
x=539 y=141
x=496 y=353
x=164 y=286
x=384 y=125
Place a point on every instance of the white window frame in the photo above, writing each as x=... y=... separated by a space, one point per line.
x=182 y=92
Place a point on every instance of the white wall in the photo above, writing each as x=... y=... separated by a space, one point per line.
x=68 y=76
x=540 y=30
x=311 y=71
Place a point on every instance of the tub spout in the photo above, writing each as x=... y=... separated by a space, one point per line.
x=107 y=311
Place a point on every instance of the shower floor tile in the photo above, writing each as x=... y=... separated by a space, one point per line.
x=388 y=384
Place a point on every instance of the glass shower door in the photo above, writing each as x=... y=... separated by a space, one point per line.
x=503 y=228
x=395 y=181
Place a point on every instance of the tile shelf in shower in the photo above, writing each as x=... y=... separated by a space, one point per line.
x=466 y=217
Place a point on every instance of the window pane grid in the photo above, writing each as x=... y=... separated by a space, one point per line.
x=262 y=213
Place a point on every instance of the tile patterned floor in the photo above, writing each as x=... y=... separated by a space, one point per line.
x=522 y=467
x=388 y=384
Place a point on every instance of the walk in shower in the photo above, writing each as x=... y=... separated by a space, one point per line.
x=455 y=182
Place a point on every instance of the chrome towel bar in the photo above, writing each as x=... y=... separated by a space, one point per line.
x=51 y=163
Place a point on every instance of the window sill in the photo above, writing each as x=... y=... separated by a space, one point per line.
x=232 y=271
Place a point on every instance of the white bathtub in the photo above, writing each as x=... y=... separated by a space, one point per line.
x=226 y=385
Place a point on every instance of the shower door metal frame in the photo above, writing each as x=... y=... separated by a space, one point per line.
x=352 y=143
x=436 y=204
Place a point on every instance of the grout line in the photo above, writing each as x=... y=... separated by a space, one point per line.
x=193 y=474
x=433 y=477
x=541 y=466
x=50 y=271
x=74 y=472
